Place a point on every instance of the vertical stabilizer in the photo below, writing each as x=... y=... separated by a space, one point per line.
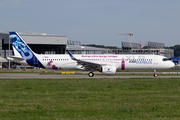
x=20 y=48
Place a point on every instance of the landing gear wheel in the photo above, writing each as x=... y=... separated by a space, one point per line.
x=91 y=74
x=155 y=75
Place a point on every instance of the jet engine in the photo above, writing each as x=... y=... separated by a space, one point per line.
x=108 y=70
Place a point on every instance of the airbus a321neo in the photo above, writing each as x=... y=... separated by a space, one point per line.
x=105 y=63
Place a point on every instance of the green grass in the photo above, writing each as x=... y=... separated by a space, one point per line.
x=135 y=98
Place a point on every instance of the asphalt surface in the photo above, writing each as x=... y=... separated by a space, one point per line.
x=46 y=76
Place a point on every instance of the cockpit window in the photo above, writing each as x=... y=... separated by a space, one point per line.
x=166 y=59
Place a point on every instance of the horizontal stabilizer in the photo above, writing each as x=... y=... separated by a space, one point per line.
x=17 y=59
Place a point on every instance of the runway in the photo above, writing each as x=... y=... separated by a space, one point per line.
x=46 y=76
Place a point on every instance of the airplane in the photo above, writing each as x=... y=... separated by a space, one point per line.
x=105 y=63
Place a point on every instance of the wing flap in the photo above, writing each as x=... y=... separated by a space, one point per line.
x=86 y=64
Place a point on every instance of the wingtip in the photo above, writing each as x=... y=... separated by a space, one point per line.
x=69 y=53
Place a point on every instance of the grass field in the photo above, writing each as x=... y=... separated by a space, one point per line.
x=104 y=99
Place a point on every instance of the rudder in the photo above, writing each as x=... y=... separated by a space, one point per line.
x=23 y=49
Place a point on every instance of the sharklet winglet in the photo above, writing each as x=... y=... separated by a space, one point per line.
x=71 y=56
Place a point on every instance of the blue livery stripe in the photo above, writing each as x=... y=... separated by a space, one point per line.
x=24 y=50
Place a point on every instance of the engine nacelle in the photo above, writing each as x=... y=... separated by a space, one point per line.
x=108 y=70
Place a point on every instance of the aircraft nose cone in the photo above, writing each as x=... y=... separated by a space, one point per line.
x=171 y=64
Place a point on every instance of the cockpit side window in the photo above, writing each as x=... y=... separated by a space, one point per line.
x=164 y=59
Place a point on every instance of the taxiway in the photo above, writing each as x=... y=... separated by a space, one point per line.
x=46 y=76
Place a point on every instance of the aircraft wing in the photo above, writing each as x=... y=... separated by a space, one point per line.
x=87 y=65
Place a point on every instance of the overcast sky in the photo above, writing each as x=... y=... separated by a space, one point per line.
x=95 y=21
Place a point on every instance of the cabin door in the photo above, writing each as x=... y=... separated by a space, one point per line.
x=155 y=59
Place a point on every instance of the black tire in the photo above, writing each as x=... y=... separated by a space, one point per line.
x=155 y=75
x=91 y=74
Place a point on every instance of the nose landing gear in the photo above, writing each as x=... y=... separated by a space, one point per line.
x=155 y=74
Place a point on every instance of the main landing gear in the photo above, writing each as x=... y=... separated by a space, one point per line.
x=155 y=74
x=90 y=74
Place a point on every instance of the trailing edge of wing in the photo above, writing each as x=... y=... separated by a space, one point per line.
x=84 y=63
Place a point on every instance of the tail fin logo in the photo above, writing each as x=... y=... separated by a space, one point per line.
x=21 y=47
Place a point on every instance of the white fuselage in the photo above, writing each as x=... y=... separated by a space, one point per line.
x=122 y=62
